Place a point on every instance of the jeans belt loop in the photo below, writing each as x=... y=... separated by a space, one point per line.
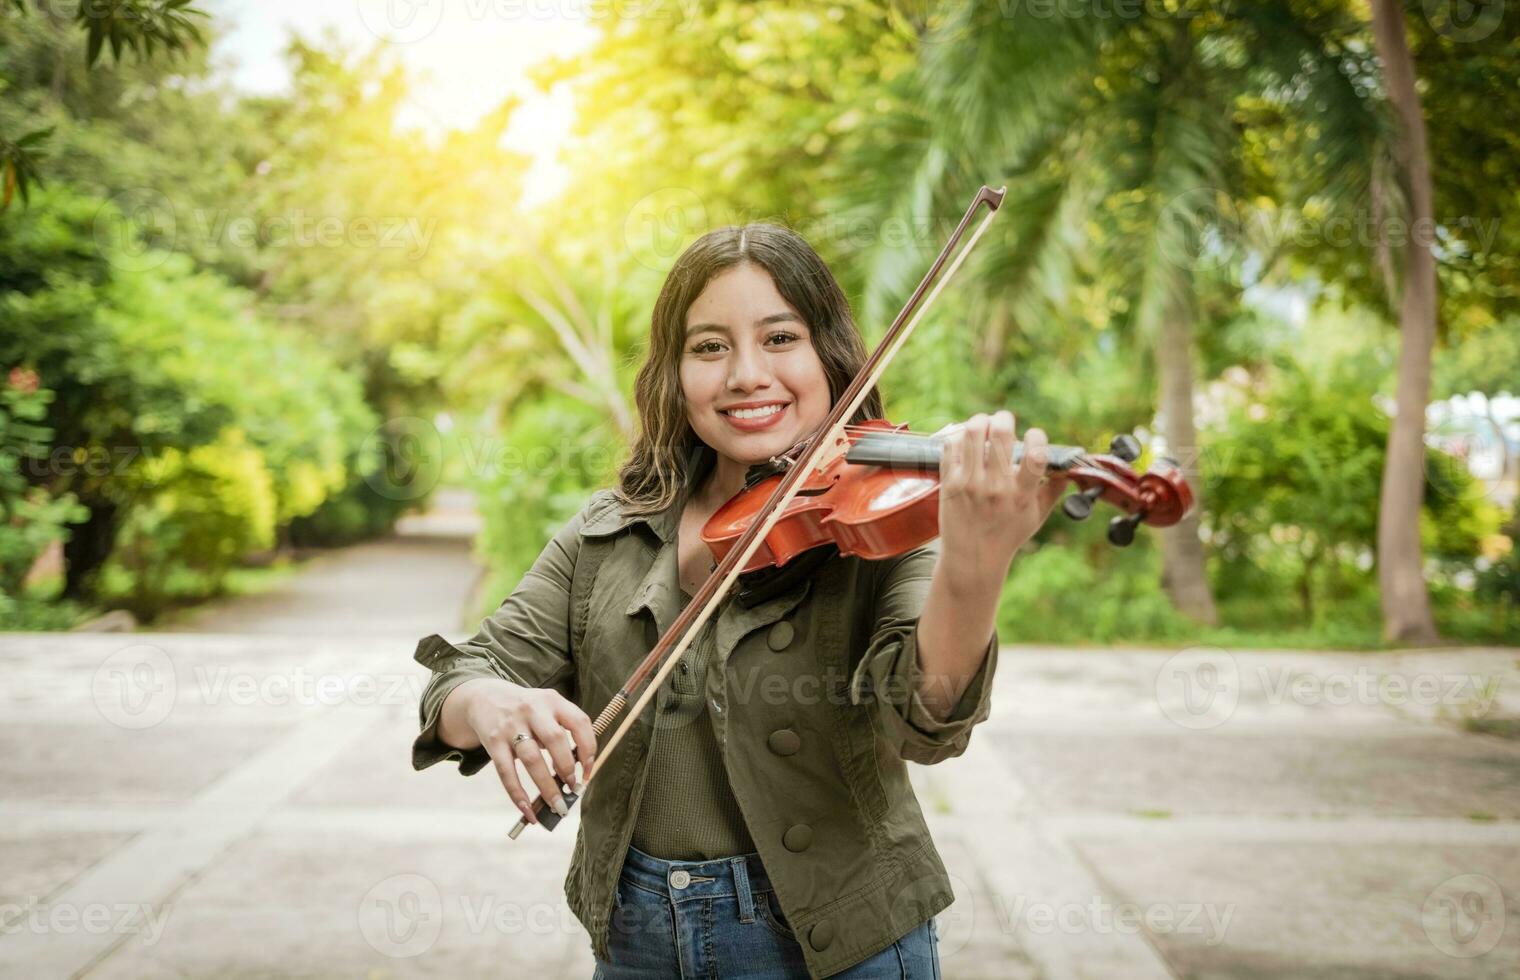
x=742 y=890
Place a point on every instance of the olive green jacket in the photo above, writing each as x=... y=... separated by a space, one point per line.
x=816 y=687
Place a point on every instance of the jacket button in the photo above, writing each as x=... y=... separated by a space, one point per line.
x=821 y=935
x=798 y=837
x=784 y=742
x=780 y=636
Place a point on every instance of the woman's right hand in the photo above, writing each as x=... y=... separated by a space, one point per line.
x=497 y=710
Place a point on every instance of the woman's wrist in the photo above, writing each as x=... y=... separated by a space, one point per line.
x=972 y=578
x=455 y=727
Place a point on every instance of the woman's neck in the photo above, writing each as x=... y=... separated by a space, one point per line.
x=723 y=481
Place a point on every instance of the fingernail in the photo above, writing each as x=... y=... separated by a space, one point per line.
x=527 y=812
x=559 y=806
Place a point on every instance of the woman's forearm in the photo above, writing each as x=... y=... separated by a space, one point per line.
x=957 y=620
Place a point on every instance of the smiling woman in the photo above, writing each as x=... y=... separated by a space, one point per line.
x=738 y=833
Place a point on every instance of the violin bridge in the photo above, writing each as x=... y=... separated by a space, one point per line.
x=834 y=447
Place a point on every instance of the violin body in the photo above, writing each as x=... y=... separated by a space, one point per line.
x=878 y=496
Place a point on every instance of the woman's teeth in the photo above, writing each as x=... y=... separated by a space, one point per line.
x=755 y=413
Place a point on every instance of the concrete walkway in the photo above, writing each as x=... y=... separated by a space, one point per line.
x=234 y=798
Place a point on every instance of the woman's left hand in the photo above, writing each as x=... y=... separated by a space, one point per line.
x=988 y=507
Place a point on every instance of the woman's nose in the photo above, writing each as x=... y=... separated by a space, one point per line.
x=748 y=370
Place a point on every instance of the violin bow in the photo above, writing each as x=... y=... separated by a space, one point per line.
x=826 y=442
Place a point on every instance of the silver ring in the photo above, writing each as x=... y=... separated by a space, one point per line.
x=520 y=737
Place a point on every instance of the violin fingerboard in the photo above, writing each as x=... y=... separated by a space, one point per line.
x=924 y=452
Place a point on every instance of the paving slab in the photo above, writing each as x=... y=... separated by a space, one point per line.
x=1275 y=909
x=333 y=903
x=96 y=761
x=1434 y=774
x=39 y=864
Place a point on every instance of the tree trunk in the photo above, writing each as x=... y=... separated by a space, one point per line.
x=1406 y=602
x=1182 y=570
x=88 y=547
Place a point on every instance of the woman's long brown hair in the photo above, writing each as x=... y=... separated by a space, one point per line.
x=666 y=449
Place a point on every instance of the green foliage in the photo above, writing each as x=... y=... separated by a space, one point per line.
x=143 y=26
x=1293 y=470
x=30 y=517
x=531 y=478
x=167 y=387
x=1076 y=588
x=192 y=516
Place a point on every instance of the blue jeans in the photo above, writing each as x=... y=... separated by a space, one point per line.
x=681 y=920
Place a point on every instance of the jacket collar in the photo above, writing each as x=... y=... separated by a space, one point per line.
x=612 y=517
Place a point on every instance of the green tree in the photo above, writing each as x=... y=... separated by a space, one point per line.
x=141 y=26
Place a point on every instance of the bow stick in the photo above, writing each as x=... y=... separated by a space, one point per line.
x=826 y=443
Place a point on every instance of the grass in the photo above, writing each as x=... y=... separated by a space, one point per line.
x=1497 y=727
x=238 y=582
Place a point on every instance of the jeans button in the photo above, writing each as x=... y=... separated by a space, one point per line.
x=680 y=879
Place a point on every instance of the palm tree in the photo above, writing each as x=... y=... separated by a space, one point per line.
x=1127 y=146
x=1125 y=125
x=1406 y=602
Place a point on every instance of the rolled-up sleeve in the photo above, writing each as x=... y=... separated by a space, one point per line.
x=525 y=641
x=889 y=673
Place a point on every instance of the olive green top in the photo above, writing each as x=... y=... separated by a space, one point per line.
x=811 y=696
x=689 y=812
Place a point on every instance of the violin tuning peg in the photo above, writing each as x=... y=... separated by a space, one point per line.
x=1121 y=530
x=1125 y=446
x=1079 y=506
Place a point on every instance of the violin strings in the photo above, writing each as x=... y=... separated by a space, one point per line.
x=1081 y=458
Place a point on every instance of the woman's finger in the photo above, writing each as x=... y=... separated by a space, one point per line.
x=1000 y=451
x=952 y=463
x=975 y=457
x=576 y=720
x=556 y=742
x=531 y=755
x=505 y=764
x=1032 y=467
x=1051 y=493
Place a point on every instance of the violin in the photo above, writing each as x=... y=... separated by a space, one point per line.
x=879 y=495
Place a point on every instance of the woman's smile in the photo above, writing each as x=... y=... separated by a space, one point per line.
x=754 y=416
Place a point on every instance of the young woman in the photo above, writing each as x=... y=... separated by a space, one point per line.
x=758 y=822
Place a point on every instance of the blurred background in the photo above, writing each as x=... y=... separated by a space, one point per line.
x=317 y=319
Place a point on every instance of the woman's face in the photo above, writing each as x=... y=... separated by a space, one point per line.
x=753 y=383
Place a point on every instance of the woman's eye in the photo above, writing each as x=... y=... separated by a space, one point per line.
x=707 y=347
x=783 y=337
